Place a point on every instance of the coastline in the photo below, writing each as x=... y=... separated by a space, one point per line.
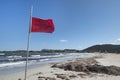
x=47 y=71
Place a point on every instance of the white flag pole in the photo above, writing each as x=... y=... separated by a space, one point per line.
x=28 y=43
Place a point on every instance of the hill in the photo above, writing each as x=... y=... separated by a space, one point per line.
x=108 y=48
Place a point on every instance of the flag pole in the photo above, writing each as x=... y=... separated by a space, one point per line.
x=28 y=43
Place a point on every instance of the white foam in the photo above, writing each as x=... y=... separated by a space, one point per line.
x=53 y=56
x=10 y=64
x=43 y=60
x=35 y=56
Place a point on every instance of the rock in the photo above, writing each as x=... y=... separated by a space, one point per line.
x=63 y=76
x=49 y=78
x=19 y=79
x=72 y=76
x=41 y=78
x=45 y=78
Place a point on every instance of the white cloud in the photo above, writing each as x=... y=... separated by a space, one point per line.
x=118 y=40
x=63 y=40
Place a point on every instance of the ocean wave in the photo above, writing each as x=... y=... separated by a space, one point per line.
x=11 y=64
x=33 y=59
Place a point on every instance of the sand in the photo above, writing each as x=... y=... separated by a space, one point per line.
x=110 y=59
x=47 y=71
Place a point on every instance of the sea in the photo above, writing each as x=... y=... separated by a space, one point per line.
x=13 y=64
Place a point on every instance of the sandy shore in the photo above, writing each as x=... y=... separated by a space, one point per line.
x=52 y=73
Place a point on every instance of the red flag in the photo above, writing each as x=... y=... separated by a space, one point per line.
x=40 y=25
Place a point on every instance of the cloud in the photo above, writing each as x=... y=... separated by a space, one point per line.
x=63 y=40
x=118 y=39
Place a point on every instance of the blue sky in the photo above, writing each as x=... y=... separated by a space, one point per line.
x=78 y=23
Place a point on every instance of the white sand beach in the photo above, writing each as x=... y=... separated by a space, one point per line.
x=51 y=73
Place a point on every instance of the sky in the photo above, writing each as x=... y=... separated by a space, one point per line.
x=78 y=23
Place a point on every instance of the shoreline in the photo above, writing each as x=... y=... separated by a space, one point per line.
x=14 y=67
x=47 y=71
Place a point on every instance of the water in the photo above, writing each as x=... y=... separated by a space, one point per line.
x=12 y=64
